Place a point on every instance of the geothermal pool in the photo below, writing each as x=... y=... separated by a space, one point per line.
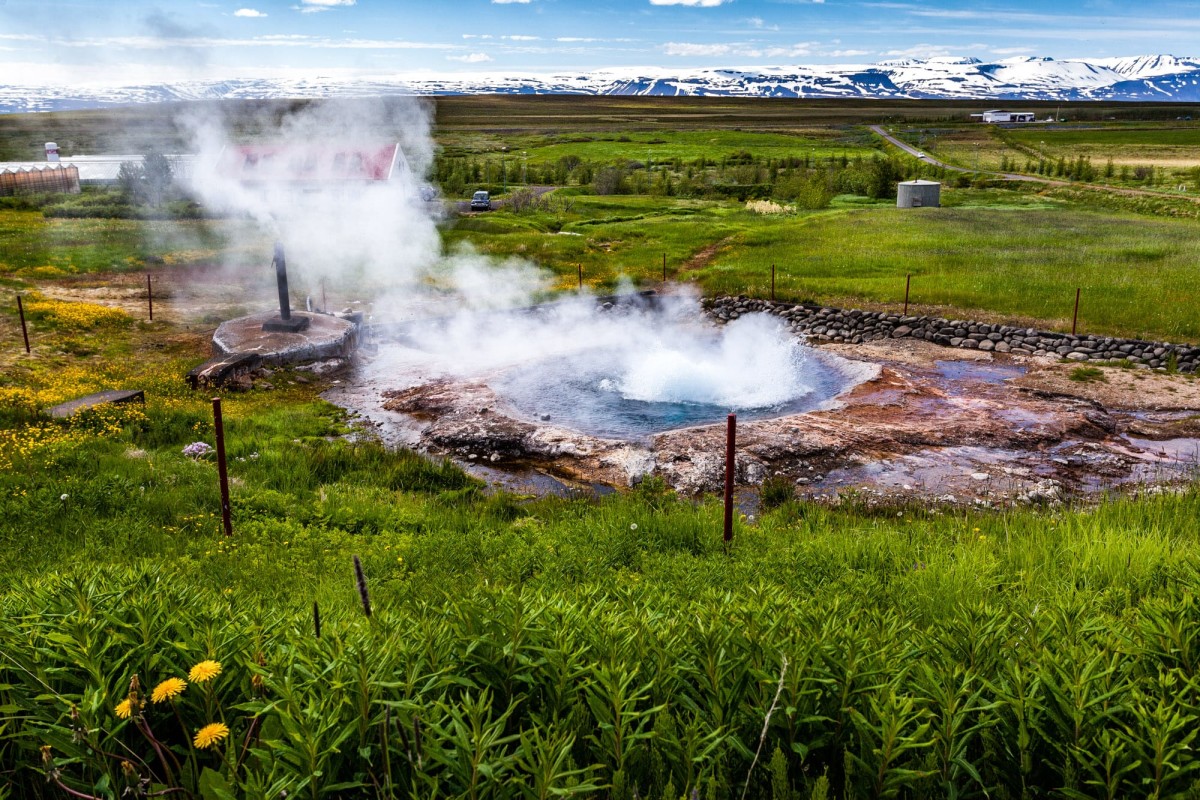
x=747 y=368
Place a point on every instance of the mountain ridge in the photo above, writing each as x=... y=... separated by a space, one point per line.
x=1160 y=77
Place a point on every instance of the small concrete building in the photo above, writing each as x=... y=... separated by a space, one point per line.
x=919 y=194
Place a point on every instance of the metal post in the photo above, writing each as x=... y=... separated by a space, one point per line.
x=285 y=308
x=150 y=296
x=730 y=443
x=580 y=276
x=222 y=471
x=907 y=284
x=1075 y=319
x=24 y=330
x=772 y=283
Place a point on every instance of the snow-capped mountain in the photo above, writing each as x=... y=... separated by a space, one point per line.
x=1137 y=78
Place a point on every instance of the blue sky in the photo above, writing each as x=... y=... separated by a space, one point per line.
x=90 y=41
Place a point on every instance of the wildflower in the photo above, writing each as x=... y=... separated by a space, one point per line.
x=168 y=690
x=197 y=449
x=124 y=709
x=128 y=769
x=211 y=734
x=633 y=526
x=64 y=497
x=204 y=671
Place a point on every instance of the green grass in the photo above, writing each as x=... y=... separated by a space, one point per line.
x=1136 y=273
x=659 y=146
x=540 y=628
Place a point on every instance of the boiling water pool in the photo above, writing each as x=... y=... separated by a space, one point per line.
x=628 y=394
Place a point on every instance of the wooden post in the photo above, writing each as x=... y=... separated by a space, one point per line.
x=24 y=330
x=1075 y=318
x=772 y=283
x=907 y=284
x=730 y=444
x=580 y=276
x=150 y=296
x=222 y=470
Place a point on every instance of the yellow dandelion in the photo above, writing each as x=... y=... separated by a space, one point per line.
x=124 y=709
x=211 y=734
x=168 y=690
x=204 y=671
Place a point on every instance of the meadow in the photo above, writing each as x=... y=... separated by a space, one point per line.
x=383 y=625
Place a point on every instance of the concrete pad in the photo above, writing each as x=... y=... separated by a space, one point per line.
x=325 y=337
x=72 y=407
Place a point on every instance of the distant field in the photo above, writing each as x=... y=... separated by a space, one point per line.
x=1137 y=274
x=1164 y=156
x=996 y=253
x=662 y=145
x=131 y=128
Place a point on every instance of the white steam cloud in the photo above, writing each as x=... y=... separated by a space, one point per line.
x=381 y=239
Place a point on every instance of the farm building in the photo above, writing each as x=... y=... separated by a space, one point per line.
x=310 y=166
x=919 y=194
x=99 y=170
x=24 y=178
x=999 y=116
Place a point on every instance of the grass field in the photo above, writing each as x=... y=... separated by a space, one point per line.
x=598 y=647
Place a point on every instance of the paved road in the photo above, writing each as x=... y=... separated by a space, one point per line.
x=928 y=159
x=1012 y=176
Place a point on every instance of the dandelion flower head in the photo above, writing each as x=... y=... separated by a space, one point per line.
x=124 y=709
x=168 y=690
x=211 y=734
x=204 y=671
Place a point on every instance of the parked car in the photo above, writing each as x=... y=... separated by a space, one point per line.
x=481 y=201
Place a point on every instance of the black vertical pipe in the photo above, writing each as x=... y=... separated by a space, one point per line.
x=150 y=296
x=222 y=470
x=580 y=275
x=24 y=330
x=1075 y=318
x=772 y=283
x=285 y=308
x=664 y=267
x=730 y=444
x=907 y=284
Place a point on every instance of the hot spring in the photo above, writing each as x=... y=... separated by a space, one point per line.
x=676 y=377
x=635 y=367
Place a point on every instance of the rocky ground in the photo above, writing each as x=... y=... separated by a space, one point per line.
x=935 y=425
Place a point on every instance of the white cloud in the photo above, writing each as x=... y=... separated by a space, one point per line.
x=520 y=38
x=849 y=53
x=690 y=49
x=471 y=58
x=799 y=49
x=249 y=12
x=316 y=6
x=924 y=51
x=577 y=39
x=699 y=3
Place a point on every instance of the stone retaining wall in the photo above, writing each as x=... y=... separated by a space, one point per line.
x=826 y=324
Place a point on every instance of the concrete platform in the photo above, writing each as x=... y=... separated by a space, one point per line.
x=325 y=337
x=72 y=407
